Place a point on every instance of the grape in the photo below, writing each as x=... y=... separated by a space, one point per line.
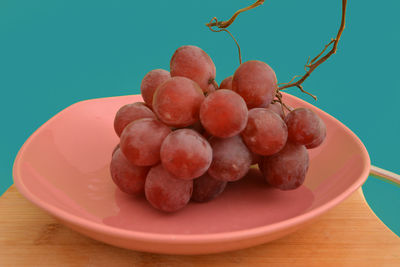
x=177 y=102
x=265 y=132
x=141 y=141
x=197 y=127
x=261 y=166
x=305 y=127
x=211 y=88
x=223 y=113
x=186 y=154
x=277 y=108
x=226 y=83
x=206 y=188
x=129 y=178
x=150 y=82
x=115 y=149
x=318 y=141
x=256 y=82
x=286 y=169
x=255 y=158
x=231 y=158
x=192 y=62
x=129 y=113
x=165 y=192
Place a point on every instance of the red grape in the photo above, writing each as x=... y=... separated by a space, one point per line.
x=115 y=149
x=211 y=88
x=186 y=154
x=256 y=82
x=141 y=141
x=255 y=158
x=265 y=132
x=129 y=178
x=206 y=188
x=150 y=82
x=286 y=169
x=231 y=158
x=197 y=127
x=177 y=102
x=165 y=192
x=226 y=83
x=192 y=62
x=223 y=113
x=305 y=127
x=129 y=113
x=277 y=108
x=318 y=141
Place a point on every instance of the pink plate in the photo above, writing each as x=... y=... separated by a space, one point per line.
x=64 y=169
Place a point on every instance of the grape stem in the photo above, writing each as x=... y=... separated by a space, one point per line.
x=309 y=67
x=225 y=30
x=222 y=25
x=319 y=59
x=226 y=24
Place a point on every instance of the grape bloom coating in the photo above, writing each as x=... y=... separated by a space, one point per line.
x=192 y=62
x=177 y=101
x=141 y=141
x=165 y=192
x=186 y=154
x=265 y=133
x=150 y=83
x=286 y=169
x=256 y=82
x=190 y=139
x=129 y=178
x=129 y=113
x=223 y=113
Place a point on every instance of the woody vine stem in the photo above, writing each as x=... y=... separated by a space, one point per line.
x=310 y=65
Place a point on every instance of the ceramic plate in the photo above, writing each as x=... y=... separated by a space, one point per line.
x=64 y=169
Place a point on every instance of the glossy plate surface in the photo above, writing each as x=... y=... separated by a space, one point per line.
x=64 y=169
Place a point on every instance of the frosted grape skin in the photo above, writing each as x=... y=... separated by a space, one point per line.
x=150 y=83
x=165 y=192
x=141 y=141
x=128 y=177
x=186 y=154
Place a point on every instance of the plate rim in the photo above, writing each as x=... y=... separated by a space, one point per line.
x=185 y=238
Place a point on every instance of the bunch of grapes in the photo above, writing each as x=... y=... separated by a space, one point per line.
x=189 y=137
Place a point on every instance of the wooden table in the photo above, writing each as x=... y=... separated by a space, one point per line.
x=348 y=235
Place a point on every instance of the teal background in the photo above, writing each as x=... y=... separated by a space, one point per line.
x=54 y=53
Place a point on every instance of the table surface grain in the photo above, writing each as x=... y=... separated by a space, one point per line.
x=348 y=235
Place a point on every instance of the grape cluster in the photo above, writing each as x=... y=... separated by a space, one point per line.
x=190 y=138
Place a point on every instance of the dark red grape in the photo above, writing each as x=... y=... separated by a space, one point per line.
x=150 y=82
x=130 y=113
x=277 y=108
x=141 y=141
x=197 y=127
x=318 y=141
x=255 y=158
x=256 y=82
x=165 y=192
x=206 y=188
x=223 y=113
x=265 y=132
x=226 y=83
x=286 y=169
x=186 y=154
x=128 y=177
x=177 y=102
x=305 y=127
x=231 y=158
x=192 y=62
x=211 y=88
x=115 y=149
